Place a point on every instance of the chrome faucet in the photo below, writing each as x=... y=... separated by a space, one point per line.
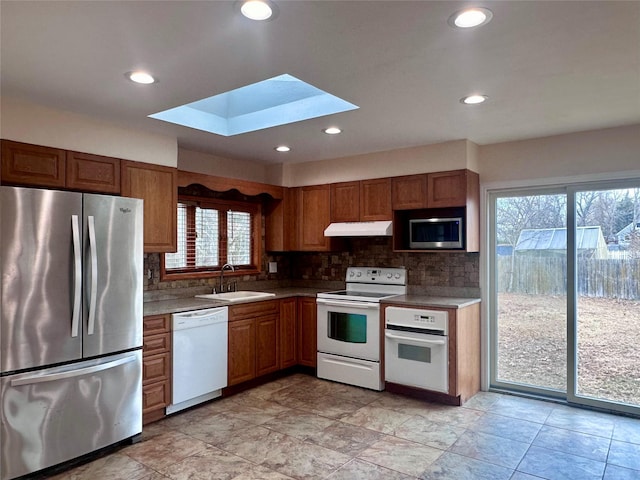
x=226 y=265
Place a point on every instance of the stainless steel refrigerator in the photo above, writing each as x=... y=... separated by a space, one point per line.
x=70 y=325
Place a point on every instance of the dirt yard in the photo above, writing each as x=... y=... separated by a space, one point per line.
x=532 y=344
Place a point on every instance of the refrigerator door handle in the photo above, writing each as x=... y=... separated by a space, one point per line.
x=52 y=377
x=77 y=272
x=94 y=274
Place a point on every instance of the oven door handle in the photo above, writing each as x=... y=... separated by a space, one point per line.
x=338 y=303
x=417 y=340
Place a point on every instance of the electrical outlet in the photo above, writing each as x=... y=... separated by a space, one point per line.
x=273 y=267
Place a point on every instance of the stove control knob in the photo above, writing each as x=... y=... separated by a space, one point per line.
x=389 y=275
x=397 y=276
x=359 y=274
x=351 y=274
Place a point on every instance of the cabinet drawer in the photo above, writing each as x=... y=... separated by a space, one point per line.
x=156 y=368
x=155 y=324
x=154 y=396
x=252 y=310
x=154 y=344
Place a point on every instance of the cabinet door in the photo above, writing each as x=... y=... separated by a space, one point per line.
x=157 y=186
x=307 y=332
x=314 y=212
x=375 y=199
x=409 y=192
x=26 y=164
x=267 y=341
x=288 y=330
x=242 y=348
x=93 y=173
x=345 y=202
x=447 y=189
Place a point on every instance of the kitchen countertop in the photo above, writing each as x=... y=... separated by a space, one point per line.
x=432 y=301
x=177 y=305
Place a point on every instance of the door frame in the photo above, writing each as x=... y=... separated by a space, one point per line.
x=492 y=193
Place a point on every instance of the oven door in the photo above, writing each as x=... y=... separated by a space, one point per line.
x=417 y=360
x=351 y=329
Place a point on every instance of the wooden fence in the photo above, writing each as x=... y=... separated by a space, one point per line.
x=611 y=278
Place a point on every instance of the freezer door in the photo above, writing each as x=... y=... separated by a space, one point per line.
x=54 y=415
x=112 y=274
x=40 y=255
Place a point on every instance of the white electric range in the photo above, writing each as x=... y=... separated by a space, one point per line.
x=349 y=325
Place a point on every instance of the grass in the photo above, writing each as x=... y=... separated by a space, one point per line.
x=532 y=344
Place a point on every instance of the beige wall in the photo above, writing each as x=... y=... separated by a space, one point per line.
x=198 y=162
x=406 y=161
x=611 y=152
x=26 y=122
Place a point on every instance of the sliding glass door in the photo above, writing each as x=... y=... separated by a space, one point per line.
x=530 y=292
x=607 y=297
x=565 y=292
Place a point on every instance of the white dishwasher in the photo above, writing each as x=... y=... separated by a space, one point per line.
x=199 y=369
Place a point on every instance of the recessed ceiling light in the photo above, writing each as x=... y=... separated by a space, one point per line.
x=140 y=77
x=332 y=131
x=470 y=17
x=257 y=9
x=474 y=99
x=283 y=148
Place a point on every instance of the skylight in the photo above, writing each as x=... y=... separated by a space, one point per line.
x=276 y=101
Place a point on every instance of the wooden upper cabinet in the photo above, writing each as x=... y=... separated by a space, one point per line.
x=409 y=192
x=345 y=202
x=281 y=222
x=375 y=199
x=26 y=164
x=156 y=185
x=447 y=189
x=93 y=173
x=314 y=215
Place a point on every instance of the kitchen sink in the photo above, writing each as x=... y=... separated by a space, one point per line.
x=237 y=296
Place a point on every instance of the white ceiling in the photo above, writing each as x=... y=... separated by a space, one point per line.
x=549 y=67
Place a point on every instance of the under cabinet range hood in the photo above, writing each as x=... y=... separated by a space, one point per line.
x=359 y=229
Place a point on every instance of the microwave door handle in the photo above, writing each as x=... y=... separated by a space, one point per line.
x=417 y=340
x=337 y=303
x=77 y=275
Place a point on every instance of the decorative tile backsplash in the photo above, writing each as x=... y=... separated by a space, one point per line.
x=440 y=273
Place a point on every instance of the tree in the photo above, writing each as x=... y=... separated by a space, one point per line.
x=514 y=214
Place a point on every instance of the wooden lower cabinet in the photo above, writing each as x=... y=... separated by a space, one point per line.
x=241 y=364
x=156 y=367
x=267 y=344
x=307 y=332
x=288 y=332
x=253 y=340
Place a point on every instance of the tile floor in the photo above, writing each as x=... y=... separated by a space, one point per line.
x=303 y=428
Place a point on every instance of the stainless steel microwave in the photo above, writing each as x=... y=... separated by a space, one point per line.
x=436 y=233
